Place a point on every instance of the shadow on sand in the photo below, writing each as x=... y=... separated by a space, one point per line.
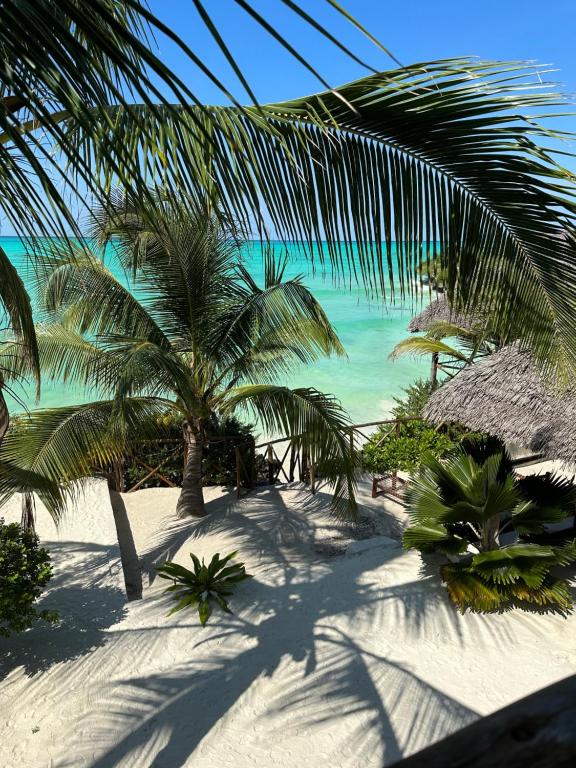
x=375 y=705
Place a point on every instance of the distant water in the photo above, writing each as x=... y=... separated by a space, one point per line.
x=369 y=328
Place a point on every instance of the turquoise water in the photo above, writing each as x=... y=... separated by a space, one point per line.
x=365 y=383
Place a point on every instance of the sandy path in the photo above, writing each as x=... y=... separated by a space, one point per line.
x=342 y=661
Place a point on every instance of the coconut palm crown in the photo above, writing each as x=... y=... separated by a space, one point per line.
x=195 y=334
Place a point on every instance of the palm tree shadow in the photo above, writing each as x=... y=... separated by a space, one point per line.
x=166 y=715
x=87 y=609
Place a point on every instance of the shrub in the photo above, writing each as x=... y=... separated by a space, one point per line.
x=25 y=570
x=218 y=463
x=205 y=585
x=402 y=448
x=461 y=507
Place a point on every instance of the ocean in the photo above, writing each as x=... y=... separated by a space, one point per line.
x=369 y=328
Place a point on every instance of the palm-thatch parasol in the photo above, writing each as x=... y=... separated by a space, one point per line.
x=440 y=311
x=506 y=395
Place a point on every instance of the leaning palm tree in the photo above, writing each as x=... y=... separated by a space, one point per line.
x=195 y=335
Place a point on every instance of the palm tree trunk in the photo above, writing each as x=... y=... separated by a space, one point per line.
x=191 y=501
x=490 y=538
x=4 y=416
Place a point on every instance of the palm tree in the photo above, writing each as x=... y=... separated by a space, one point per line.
x=464 y=505
x=470 y=344
x=196 y=335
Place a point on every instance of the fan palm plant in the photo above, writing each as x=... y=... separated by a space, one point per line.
x=463 y=506
x=196 y=335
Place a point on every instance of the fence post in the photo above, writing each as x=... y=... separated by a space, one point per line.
x=238 y=473
x=292 y=463
x=395 y=471
x=270 y=459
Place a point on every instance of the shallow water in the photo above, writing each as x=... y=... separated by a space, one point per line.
x=365 y=383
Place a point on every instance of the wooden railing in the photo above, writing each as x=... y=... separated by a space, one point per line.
x=282 y=459
x=301 y=467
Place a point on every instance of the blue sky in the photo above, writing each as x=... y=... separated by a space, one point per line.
x=414 y=31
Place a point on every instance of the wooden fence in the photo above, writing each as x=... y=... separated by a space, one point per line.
x=281 y=460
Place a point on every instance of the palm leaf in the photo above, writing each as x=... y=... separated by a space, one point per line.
x=315 y=422
x=63 y=445
x=424 y=345
x=431 y=152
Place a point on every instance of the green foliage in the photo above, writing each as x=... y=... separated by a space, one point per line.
x=460 y=507
x=412 y=404
x=402 y=447
x=205 y=584
x=25 y=570
x=218 y=461
x=388 y=450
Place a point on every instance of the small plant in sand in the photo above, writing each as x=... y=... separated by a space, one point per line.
x=25 y=570
x=205 y=585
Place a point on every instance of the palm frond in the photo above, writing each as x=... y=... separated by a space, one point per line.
x=64 y=445
x=315 y=422
x=15 y=300
x=74 y=286
x=436 y=152
x=424 y=345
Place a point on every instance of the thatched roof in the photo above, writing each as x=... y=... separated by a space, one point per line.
x=439 y=310
x=505 y=394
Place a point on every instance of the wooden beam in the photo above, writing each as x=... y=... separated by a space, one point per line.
x=536 y=732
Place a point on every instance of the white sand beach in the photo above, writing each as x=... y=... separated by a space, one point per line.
x=329 y=659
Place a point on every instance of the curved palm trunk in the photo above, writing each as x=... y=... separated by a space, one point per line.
x=4 y=416
x=191 y=501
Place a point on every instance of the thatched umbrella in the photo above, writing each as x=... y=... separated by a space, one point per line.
x=439 y=310
x=506 y=395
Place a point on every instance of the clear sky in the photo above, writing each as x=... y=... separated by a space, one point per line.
x=415 y=30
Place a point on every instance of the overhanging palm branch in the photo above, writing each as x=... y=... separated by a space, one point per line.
x=67 y=59
x=50 y=449
x=315 y=422
x=444 y=152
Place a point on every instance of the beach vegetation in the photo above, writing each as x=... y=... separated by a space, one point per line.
x=400 y=447
x=223 y=436
x=204 y=586
x=25 y=570
x=193 y=334
x=471 y=511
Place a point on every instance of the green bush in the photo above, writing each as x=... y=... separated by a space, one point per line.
x=412 y=404
x=205 y=585
x=402 y=448
x=25 y=570
x=218 y=463
x=403 y=451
